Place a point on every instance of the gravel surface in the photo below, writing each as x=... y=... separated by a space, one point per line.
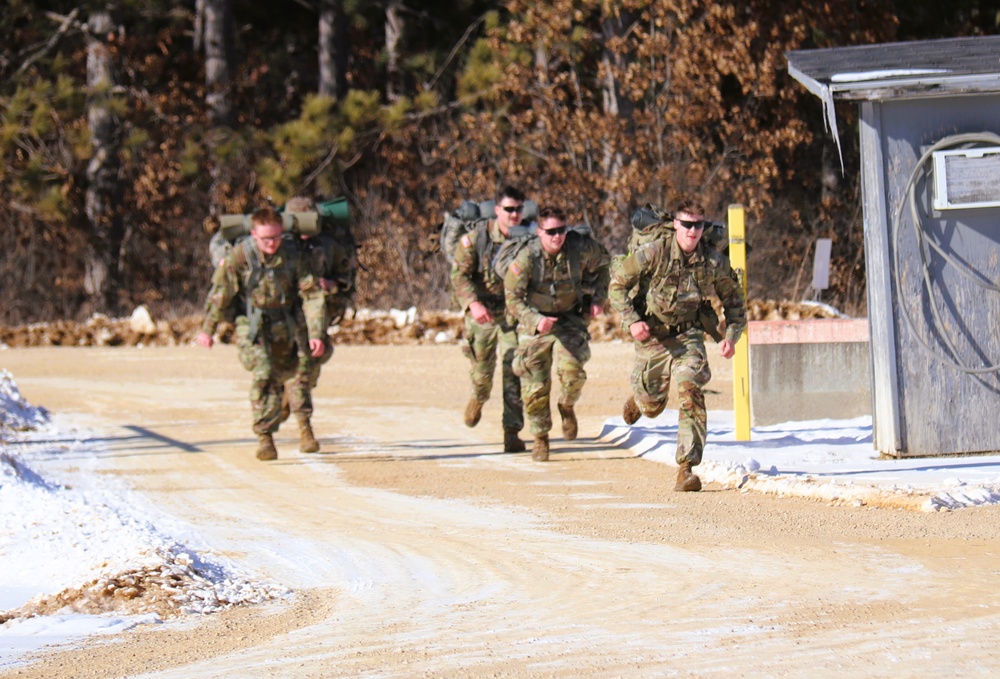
x=415 y=547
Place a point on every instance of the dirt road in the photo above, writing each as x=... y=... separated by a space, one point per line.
x=415 y=548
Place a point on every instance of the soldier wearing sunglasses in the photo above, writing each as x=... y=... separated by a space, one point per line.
x=674 y=276
x=553 y=286
x=479 y=291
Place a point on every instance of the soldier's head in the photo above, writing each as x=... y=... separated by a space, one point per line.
x=552 y=229
x=300 y=204
x=509 y=207
x=689 y=223
x=266 y=229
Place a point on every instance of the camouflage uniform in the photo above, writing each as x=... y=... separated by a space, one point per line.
x=563 y=285
x=271 y=329
x=672 y=287
x=330 y=260
x=474 y=280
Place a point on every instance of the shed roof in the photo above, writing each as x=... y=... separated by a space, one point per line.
x=900 y=70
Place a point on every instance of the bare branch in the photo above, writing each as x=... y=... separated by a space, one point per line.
x=66 y=22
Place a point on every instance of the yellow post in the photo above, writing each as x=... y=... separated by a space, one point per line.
x=741 y=361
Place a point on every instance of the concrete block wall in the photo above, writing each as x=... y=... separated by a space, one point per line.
x=809 y=370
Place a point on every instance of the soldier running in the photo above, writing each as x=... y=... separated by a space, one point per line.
x=488 y=330
x=553 y=286
x=674 y=275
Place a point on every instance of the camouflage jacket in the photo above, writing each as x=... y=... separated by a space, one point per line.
x=564 y=284
x=330 y=260
x=472 y=275
x=284 y=283
x=673 y=286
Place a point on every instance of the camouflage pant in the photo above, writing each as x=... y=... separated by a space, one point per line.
x=272 y=360
x=308 y=375
x=682 y=358
x=482 y=341
x=311 y=369
x=567 y=346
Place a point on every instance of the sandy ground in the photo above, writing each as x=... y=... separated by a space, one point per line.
x=416 y=548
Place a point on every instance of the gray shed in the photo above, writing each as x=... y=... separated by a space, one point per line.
x=930 y=164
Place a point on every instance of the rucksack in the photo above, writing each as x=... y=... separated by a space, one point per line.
x=521 y=237
x=330 y=218
x=335 y=224
x=468 y=217
x=651 y=223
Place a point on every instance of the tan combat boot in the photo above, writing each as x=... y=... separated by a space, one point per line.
x=687 y=482
x=265 y=448
x=569 y=426
x=307 y=442
x=512 y=442
x=540 y=451
x=473 y=410
x=631 y=412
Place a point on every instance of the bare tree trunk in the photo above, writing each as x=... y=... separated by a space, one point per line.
x=542 y=62
x=102 y=271
x=332 y=49
x=615 y=26
x=199 y=25
x=218 y=56
x=394 y=26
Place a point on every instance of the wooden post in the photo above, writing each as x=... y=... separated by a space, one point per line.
x=741 y=361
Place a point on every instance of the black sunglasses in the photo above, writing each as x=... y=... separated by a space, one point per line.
x=700 y=224
x=512 y=208
x=558 y=231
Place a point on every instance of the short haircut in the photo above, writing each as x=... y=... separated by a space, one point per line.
x=551 y=213
x=690 y=206
x=266 y=216
x=511 y=192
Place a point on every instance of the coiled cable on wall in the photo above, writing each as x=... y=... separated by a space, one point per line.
x=924 y=241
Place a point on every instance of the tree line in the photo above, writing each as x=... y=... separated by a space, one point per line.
x=124 y=125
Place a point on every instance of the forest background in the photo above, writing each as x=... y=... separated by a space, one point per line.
x=124 y=125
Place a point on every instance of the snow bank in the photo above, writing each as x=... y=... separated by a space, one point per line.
x=832 y=461
x=80 y=552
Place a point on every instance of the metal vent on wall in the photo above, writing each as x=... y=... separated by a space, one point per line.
x=967 y=178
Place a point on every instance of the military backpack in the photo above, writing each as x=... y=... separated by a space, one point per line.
x=651 y=223
x=337 y=239
x=522 y=236
x=470 y=216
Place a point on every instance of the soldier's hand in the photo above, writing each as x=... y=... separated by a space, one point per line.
x=596 y=309
x=480 y=313
x=205 y=340
x=727 y=349
x=639 y=331
x=545 y=325
x=316 y=348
